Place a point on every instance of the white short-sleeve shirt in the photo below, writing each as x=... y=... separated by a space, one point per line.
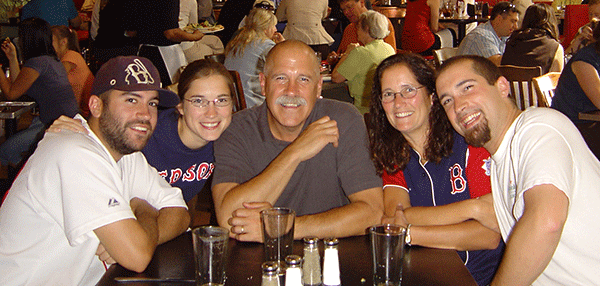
x=542 y=146
x=70 y=186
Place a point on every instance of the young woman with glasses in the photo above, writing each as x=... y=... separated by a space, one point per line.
x=431 y=176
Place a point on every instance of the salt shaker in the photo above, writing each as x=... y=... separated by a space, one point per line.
x=311 y=268
x=293 y=273
x=270 y=273
x=331 y=263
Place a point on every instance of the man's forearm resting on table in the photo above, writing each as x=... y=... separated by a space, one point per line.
x=534 y=237
x=468 y=235
x=172 y=221
x=365 y=209
x=131 y=243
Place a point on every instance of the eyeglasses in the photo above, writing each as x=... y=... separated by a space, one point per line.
x=201 y=102
x=265 y=5
x=510 y=7
x=406 y=93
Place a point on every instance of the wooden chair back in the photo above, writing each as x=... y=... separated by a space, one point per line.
x=219 y=58
x=545 y=86
x=239 y=100
x=521 y=85
x=443 y=54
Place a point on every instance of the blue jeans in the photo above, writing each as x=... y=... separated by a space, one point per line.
x=13 y=149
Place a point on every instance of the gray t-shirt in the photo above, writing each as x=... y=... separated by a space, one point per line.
x=319 y=184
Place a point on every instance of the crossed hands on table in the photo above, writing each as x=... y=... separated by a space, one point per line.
x=483 y=213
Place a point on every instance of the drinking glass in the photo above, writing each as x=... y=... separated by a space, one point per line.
x=387 y=248
x=278 y=234
x=210 y=253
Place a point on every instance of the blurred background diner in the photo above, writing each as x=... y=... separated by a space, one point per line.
x=304 y=23
x=578 y=88
x=358 y=63
x=43 y=78
x=536 y=42
x=420 y=31
x=247 y=51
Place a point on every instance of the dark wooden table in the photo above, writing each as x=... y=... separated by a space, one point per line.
x=11 y=111
x=462 y=24
x=422 y=266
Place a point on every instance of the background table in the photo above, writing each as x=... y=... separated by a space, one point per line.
x=422 y=266
x=11 y=111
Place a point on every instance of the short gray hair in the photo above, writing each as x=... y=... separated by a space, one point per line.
x=375 y=23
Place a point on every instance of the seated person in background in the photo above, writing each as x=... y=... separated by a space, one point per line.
x=522 y=6
x=352 y=10
x=207 y=44
x=536 y=43
x=578 y=88
x=262 y=4
x=430 y=175
x=66 y=45
x=585 y=33
x=489 y=39
x=247 y=51
x=358 y=63
x=43 y=78
x=297 y=151
x=420 y=25
x=181 y=147
x=55 y=12
x=544 y=178
x=82 y=195
x=304 y=23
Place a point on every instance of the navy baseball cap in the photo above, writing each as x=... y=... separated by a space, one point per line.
x=132 y=74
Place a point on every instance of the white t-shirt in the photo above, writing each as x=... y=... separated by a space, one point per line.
x=188 y=14
x=542 y=146
x=69 y=187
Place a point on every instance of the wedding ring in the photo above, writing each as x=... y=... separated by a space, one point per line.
x=241 y=229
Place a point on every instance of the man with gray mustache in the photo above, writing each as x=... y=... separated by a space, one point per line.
x=296 y=150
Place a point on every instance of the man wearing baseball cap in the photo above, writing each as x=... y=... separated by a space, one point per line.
x=85 y=195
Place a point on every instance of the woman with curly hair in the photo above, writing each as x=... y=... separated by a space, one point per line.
x=430 y=174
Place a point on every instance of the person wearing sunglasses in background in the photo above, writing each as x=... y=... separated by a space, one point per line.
x=489 y=39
